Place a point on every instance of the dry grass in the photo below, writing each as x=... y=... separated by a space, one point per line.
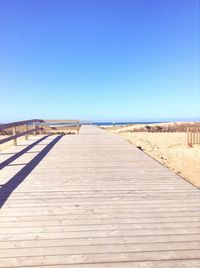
x=157 y=127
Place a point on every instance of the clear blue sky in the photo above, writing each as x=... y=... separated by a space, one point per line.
x=100 y=59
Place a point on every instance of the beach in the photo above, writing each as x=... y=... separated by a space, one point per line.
x=169 y=148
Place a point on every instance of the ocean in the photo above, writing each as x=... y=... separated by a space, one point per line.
x=120 y=123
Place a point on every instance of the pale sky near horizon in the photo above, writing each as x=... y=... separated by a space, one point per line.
x=101 y=60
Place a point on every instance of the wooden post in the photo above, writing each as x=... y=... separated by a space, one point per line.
x=34 y=126
x=198 y=131
x=40 y=130
x=78 y=127
x=193 y=136
x=14 y=133
x=187 y=136
x=199 y=135
x=26 y=129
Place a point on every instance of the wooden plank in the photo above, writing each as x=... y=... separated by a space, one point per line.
x=186 y=263
x=19 y=123
x=177 y=221
x=100 y=249
x=61 y=121
x=124 y=240
x=100 y=258
x=98 y=227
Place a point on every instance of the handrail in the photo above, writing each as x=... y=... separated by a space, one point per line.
x=20 y=123
x=25 y=133
x=63 y=121
x=35 y=128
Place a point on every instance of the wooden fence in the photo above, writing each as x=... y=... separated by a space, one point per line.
x=193 y=136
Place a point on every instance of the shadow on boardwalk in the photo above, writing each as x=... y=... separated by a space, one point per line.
x=17 y=155
x=17 y=179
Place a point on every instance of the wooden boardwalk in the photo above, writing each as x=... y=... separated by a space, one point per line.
x=93 y=200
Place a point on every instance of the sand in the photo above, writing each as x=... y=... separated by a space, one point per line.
x=168 y=126
x=170 y=149
x=10 y=143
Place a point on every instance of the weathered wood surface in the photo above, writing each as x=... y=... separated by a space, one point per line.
x=93 y=200
x=19 y=123
x=61 y=121
x=15 y=136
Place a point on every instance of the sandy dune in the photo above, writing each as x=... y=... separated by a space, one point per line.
x=169 y=149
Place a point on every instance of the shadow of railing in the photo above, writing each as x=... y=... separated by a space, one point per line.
x=7 y=188
x=18 y=154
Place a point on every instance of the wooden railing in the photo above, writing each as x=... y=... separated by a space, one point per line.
x=193 y=136
x=34 y=123
x=62 y=124
x=55 y=126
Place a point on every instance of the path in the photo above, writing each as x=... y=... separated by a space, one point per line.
x=93 y=200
